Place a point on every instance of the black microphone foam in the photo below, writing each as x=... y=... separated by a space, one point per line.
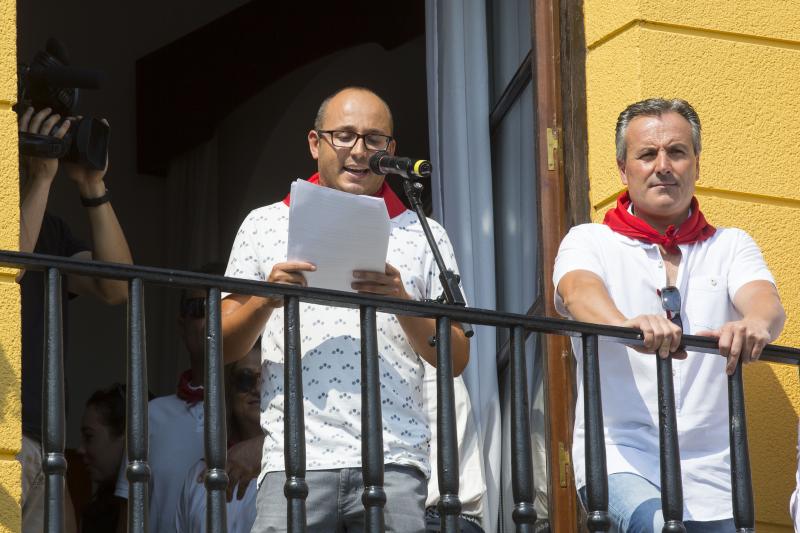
x=375 y=162
x=82 y=78
x=382 y=163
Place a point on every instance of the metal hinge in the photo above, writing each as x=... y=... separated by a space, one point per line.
x=563 y=464
x=552 y=148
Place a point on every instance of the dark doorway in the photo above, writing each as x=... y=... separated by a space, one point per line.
x=247 y=76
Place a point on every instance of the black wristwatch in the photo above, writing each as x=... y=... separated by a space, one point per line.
x=94 y=202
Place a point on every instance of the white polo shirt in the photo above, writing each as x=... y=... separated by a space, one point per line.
x=709 y=275
x=175 y=431
x=191 y=512
x=471 y=481
x=331 y=352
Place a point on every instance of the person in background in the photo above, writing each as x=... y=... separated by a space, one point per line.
x=44 y=233
x=243 y=400
x=471 y=480
x=103 y=448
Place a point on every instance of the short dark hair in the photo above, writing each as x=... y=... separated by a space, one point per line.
x=655 y=107
x=110 y=405
x=323 y=107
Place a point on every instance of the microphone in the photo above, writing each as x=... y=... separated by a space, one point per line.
x=382 y=163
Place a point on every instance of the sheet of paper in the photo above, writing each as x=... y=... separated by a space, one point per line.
x=337 y=231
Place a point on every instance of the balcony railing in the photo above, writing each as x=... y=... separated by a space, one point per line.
x=296 y=489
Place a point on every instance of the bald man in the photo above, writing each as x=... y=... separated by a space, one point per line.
x=351 y=125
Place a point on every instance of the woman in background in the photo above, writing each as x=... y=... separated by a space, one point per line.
x=102 y=448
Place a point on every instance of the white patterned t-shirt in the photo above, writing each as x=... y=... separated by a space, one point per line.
x=331 y=352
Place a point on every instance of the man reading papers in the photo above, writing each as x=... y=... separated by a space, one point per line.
x=351 y=125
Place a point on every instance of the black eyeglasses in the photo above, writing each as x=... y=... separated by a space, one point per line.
x=671 y=303
x=348 y=139
x=245 y=381
x=193 y=307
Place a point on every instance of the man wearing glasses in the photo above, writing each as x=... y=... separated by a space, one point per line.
x=657 y=265
x=350 y=126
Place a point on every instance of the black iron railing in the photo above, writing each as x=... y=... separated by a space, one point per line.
x=374 y=496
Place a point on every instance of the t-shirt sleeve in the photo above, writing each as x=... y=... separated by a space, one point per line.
x=56 y=238
x=243 y=262
x=578 y=251
x=747 y=265
x=72 y=244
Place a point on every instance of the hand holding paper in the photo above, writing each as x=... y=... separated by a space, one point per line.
x=338 y=232
x=386 y=283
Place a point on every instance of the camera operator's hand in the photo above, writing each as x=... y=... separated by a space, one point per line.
x=89 y=181
x=42 y=122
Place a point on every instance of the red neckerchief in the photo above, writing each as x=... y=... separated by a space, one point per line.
x=187 y=393
x=394 y=205
x=694 y=229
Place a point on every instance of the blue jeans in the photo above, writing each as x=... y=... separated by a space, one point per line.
x=334 y=502
x=634 y=506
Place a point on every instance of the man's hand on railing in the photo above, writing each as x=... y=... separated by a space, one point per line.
x=661 y=336
x=763 y=319
x=744 y=338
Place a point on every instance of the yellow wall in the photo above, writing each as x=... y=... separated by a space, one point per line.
x=10 y=347
x=738 y=63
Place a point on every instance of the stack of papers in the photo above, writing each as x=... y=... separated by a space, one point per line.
x=338 y=232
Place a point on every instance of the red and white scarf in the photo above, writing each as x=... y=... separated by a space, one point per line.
x=694 y=229
x=188 y=393
x=394 y=205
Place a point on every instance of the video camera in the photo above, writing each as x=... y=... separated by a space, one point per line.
x=49 y=81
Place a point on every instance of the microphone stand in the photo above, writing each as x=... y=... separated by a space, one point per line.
x=451 y=291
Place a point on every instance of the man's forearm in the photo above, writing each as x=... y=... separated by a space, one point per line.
x=759 y=301
x=243 y=321
x=587 y=299
x=419 y=330
x=770 y=312
x=109 y=244
x=34 y=204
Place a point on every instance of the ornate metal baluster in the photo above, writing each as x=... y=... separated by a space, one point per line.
x=138 y=471
x=671 y=485
x=374 y=497
x=596 y=473
x=524 y=514
x=53 y=462
x=446 y=430
x=215 y=428
x=296 y=489
x=743 y=511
